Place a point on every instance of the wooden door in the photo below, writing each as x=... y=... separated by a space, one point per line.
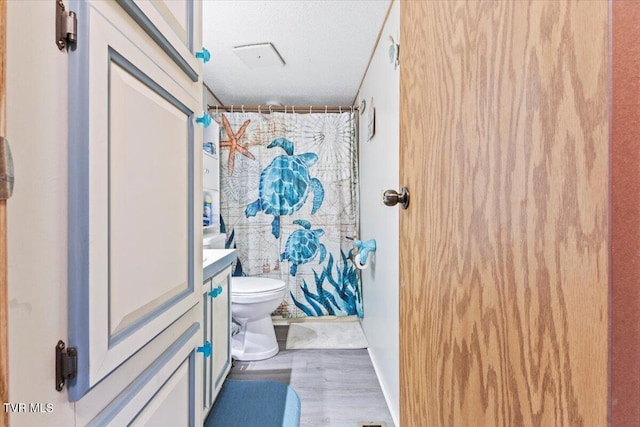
x=504 y=249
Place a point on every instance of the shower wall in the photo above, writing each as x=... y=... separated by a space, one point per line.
x=379 y=171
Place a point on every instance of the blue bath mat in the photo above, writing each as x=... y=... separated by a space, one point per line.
x=255 y=403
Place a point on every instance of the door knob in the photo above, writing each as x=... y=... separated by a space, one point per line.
x=392 y=197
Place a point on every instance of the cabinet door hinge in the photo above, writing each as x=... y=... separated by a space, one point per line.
x=66 y=364
x=6 y=170
x=66 y=26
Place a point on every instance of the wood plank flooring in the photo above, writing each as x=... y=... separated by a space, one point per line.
x=337 y=388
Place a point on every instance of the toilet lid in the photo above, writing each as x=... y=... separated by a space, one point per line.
x=255 y=285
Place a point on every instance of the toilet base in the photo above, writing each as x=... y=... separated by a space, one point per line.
x=255 y=341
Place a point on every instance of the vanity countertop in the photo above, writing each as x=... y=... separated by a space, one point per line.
x=214 y=260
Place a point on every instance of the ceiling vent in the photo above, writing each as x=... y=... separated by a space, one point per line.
x=259 y=55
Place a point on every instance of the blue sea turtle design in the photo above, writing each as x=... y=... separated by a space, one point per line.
x=303 y=245
x=285 y=185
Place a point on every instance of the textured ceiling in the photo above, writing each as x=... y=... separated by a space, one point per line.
x=326 y=46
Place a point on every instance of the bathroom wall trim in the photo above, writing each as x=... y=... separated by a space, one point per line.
x=373 y=52
x=206 y=86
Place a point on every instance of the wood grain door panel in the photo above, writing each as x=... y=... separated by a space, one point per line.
x=504 y=249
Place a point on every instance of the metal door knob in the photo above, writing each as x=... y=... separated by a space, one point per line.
x=392 y=197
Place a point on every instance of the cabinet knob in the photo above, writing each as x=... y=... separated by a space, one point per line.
x=205 y=119
x=205 y=349
x=215 y=292
x=204 y=54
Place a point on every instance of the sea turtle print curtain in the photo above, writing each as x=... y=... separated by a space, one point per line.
x=288 y=205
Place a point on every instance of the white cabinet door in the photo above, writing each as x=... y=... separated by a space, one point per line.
x=170 y=24
x=207 y=313
x=221 y=340
x=171 y=405
x=217 y=331
x=134 y=253
x=163 y=394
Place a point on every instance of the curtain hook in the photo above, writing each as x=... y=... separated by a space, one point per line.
x=259 y=109
x=242 y=108
x=293 y=109
x=216 y=109
x=340 y=109
x=231 y=108
x=270 y=112
x=325 y=109
x=285 y=109
x=352 y=109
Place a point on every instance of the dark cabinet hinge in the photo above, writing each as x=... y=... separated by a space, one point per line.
x=6 y=170
x=66 y=364
x=66 y=26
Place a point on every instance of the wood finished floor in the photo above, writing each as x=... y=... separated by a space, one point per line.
x=337 y=388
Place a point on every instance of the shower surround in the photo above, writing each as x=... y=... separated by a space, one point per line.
x=289 y=187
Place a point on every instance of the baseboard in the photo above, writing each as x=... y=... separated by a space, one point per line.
x=392 y=410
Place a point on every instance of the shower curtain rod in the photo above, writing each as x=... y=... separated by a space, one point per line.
x=301 y=109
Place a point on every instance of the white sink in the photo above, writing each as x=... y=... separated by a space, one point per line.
x=210 y=256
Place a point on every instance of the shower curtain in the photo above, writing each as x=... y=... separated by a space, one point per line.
x=288 y=204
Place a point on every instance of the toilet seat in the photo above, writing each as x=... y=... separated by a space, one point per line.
x=244 y=290
x=248 y=286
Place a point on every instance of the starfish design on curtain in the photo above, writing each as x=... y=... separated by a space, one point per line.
x=233 y=143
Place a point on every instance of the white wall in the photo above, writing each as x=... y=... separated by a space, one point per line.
x=208 y=98
x=218 y=242
x=379 y=171
x=37 y=212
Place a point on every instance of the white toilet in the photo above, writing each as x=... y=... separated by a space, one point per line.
x=253 y=299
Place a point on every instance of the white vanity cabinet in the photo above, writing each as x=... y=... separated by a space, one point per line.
x=216 y=323
x=221 y=328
